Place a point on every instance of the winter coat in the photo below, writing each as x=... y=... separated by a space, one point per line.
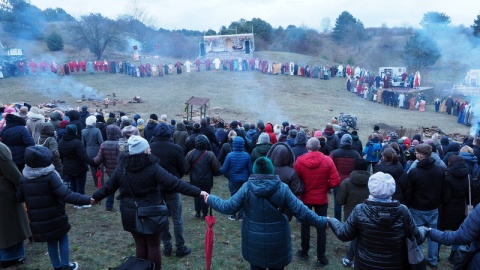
x=75 y=120
x=381 y=232
x=102 y=126
x=83 y=117
x=170 y=156
x=14 y=227
x=283 y=158
x=226 y=148
x=45 y=199
x=141 y=176
x=149 y=129
x=353 y=191
x=438 y=161
x=47 y=139
x=260 y=150
x=344 y=158
x=180 y=136
x=92 y=139
x=357 y=144
x=207 y=130
x=318 y=174
x=238 y=163
x=16 y=137
x=333 y=142
x=471 y=162
x=469 y=232
x=372 y=151
x=269 y=131
x=300 y=147
x=190 y=142
x=403 y=190
x=55 y=119
x=73 y=155
x=427 y=182
x=34 y=121
x=452 y=212
x=266 y=236
x=109 y=151
x=202 y=164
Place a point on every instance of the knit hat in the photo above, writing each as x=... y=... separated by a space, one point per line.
x=140 y=121
x=38 y=156
x=137 y=145
x=381 y=185
x=84 y=108
x=346 y=140
x=360 y=164
x=344 y=126
x=196 y=126
x=415 y=142
x=285 y=124
x=317 y=134
x=9 y=110
x=71 y=129
x=262 y=165
x=234 y=124
x=293 y=133
x=91 y=120
x=153 y=116
x=173 y=122
x=111 y=115
x=263 y=138
x=63 y=124
x=136 y=117
x=100 y=118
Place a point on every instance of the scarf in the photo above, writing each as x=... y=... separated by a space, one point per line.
x=371 y=198
x=33 y=173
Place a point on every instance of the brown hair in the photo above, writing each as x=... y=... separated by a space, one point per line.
x=424 y=149
x=389 y=155
x=454 y=159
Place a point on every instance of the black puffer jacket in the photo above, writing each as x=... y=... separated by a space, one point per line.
x=16 y=136
x=300 y=147
x=75 y=120
x=74 y=156
x=47 y=133
x=402 y=191
x=427 y=182
x=380 y=231
x=202 y=164
x=452 y=212
x=45 y=199
x=146 y=179
x=283 y=158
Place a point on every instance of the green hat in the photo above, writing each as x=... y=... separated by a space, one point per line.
x=262 y=165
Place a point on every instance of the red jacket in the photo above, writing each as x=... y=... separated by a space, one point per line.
x=318 y=174
x=269 y=131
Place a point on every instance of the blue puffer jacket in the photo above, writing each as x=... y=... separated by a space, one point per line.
x=16 y=136
x=238 y=163
x=373 y=151
x=468 y=233
x=266 y=238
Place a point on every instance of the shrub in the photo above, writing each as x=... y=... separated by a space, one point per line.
x=55 y=42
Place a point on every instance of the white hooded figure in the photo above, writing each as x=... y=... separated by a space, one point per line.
x=217 y=63
x=188 y=66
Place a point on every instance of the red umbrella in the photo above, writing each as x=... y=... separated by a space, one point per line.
x=210 y=220
x=99 y=175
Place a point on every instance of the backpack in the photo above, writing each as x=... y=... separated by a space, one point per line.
x=375 y=150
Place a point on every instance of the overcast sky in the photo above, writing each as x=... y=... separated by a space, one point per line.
x=212 y=14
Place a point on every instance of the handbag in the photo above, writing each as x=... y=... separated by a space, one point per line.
x=462 y=257
x=134 y=263
x=415 y=254
x=151 y=219
x=469 y=206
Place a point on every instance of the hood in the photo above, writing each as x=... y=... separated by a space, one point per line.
x=328 y=132
x=458 y=170
x=151 y=124
x=444 y=141
x=113 y=132
x=300 y=139
x=181 y=126
x=395 y=170
x=313 y=159
x=134 y=163
x=14 y=120
x=35 y=116
x=73 y=115
x=383 y=214
x=359 y=178
x=426 y=163
x=201 y=142
x=263 y=148
x=269 y=128
x=281 y=155
x=238 y=144
x=163 y=130
x=355 y=137
x=346 y=141
x=470 y=158
x=55 y=116
x=47 y=129
x=263 y=185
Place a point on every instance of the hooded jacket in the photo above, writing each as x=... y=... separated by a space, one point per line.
x=269 y=131
x=318 y=174
x=73 y=155
x=283 y=158
x=149 y=129
x=333 y=142
x=202 y=164
x=34 y=121
x=170 y=155
x=92 y=139
x=353 y=191
x=238 y=163
x=344 y=157
x=47 y=139
x=471 y=162
x=427 y=182
x=266 y=236
x=300 y=147
x=180 y=136
x=16 y=137
x=75 y=120
x=55 y=119
x=260 y=150
x=109 y=151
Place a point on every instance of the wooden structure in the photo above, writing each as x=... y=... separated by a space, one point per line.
x=203 y=103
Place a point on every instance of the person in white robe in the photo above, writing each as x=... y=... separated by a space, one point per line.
x=188 y=66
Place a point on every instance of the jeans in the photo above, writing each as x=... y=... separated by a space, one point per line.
x=77 y=182
x=351 y=250
x=14 y=252
x=427 y=218
x=337 y=208
x=234 y=187
x=62 y=259
x=147 y=246
x=253 y=267
x=110 y=199
x=320 y=210
x=174 y=203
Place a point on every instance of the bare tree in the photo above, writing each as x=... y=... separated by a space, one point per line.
x=137 y=20
x=325 y=25
x=96 y=33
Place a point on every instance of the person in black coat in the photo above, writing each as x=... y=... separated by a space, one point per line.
x=190 y=142
x=75 y=120
x=140 y=180
x=300 y=147
x=17 y=138
x=44 y=194
x=171 y=158
x=75 y=159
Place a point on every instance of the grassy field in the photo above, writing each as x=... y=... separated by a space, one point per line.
x=97 y=240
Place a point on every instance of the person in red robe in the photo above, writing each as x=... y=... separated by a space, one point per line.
x=301 y=71
x=53 y=66
x=43 y=67
x=197 y=64
x=179 y=65
x=71 y=66
x=21 y=68
x=33 y=67
x=83 y=65
x=77 y=66
x=160 y=69
x=105 y=66
x=95 y=65
x=208 y=64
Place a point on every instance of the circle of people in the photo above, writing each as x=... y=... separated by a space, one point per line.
x=418 y=188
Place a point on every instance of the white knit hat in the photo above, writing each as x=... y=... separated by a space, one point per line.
x=381 y=185
x=137 y=145
x=91 y=120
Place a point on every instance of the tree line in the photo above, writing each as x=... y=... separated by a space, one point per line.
x=99 y=33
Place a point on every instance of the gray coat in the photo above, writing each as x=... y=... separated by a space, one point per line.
x=92 y=139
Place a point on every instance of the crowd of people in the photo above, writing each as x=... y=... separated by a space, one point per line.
x=388 y=189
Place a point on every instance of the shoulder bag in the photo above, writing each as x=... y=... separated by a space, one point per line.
x=463 y=256
x=469 y=206
x=415 y=254
x=149 y=219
